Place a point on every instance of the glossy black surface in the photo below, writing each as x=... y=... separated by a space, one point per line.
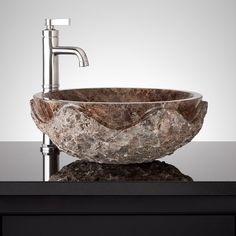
x=203 y=161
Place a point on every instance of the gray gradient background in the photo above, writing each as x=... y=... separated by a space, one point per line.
x=180 y=44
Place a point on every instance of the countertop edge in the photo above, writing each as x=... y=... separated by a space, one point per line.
x=118 y=188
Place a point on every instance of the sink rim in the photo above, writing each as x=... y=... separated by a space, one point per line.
x=194 y=96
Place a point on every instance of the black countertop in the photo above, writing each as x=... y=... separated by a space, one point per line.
x=204 y=207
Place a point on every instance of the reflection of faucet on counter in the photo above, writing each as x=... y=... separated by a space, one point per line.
x=51 y=50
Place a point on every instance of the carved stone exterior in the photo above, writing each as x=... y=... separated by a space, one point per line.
x=119 y=125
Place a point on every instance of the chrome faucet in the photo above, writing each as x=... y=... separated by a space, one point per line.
x=51 y=50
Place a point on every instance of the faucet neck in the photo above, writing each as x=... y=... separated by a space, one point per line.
x=50 y=60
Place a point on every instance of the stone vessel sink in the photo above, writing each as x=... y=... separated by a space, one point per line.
x=119 y=125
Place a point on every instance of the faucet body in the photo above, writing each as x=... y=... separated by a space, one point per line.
x=51 y=51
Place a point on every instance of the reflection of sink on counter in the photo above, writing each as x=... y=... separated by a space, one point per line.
x=119 y=125
x=82 y=171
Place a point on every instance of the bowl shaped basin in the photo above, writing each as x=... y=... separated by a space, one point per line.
x=119 y=125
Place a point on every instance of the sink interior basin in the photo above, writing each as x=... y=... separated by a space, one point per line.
x=121 y=95
x=119 y=125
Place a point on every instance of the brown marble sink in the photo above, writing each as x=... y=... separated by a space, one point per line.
x=119 y=125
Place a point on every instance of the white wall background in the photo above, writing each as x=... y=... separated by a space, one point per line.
x=180 y=44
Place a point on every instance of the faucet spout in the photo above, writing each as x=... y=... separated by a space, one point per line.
x=79 y=52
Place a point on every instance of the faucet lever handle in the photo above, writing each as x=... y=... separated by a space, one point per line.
x=50 y=23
